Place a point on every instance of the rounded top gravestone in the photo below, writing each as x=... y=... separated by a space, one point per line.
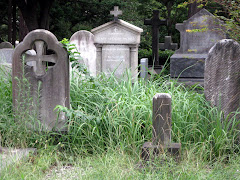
x=5 y=45
x=47 y=84
x=222 y=76
x=84 y=42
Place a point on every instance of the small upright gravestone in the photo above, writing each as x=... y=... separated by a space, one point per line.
x=168 y=44
x=84 y=42
x=222 y=75
x=117 y=46
x=162 y=122
x=6 y=51
x=37 y=91
x=155 y=22
x=5 y=45
x=197 y=35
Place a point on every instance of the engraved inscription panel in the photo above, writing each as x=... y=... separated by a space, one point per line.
x=116 y=35
x=115 y=58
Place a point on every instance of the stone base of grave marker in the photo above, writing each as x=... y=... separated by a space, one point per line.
x=187 y=65
x=149 y=151
x=9 y=156
x=155 y=69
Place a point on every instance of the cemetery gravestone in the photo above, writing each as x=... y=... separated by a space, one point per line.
x=5 y=45
x=155 y=22
x=144 y=68
x=84 y=41
x=197 y=35
x=6 y=51
x=162 y=121
x=168 y=44
x=221 y=77
x=47 y=84
x=117 y=47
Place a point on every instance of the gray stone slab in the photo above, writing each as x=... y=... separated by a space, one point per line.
x=10 y=156
x=187 y=66
x=6 y=55
x=84 y=42
x=221 y=78
x=47 y=84
x=197 y=35
x=5 y=45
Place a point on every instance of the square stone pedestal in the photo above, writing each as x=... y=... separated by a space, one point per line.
x=187 y=65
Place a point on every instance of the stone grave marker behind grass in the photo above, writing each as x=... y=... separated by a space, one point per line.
x=6 y=45
x=161 y=131
x=84 y=42
x=168 y=44
x=197 y=35
x=37 y=91
x=222 y=76
x=117 y=47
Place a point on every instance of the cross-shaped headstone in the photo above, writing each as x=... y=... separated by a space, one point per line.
x=40 y=58
x=168 y=44
x=162 y=122
x=156 y=23
x=116 y=12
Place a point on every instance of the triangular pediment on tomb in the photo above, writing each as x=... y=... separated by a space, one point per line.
x=117 y=32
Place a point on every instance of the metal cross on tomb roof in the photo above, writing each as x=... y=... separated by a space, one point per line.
x=116 y=12
x=156 y=23
x=40 y=58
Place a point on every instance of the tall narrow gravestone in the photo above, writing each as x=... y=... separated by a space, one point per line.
x=222 y=75
x=84 y=42
x=162 y=122
x=197 y=35
x=6 y=51
x=117 y=46
x=37 y=91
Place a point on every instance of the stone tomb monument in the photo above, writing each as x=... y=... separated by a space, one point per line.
x=197 y=35
x=117 y=46
x=84 y=42
x=222 y=75
x=47 y=84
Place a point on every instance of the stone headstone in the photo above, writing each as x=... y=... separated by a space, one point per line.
x=5 y=45
x=168 y=44
x=144 y=68
x=37 y=91
x=162 y=122
x=222 y=75
x=6 y=55
x=155 y=22
x=84 y=42
x=117 y=47
x=197 y=35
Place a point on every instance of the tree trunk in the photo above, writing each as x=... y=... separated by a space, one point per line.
x=9 y=20
x=193 y=8
x=23 y=30
x=14 y=23
x=35 y=13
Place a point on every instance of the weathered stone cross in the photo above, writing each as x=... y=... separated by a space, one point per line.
x=116 y=12
x=156 y=23
x=162 y=122
x=40 y=58
x=168 y=44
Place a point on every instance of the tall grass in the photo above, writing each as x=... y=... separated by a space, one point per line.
x=110 y=113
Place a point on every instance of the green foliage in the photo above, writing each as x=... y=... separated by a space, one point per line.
x=74 y=57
